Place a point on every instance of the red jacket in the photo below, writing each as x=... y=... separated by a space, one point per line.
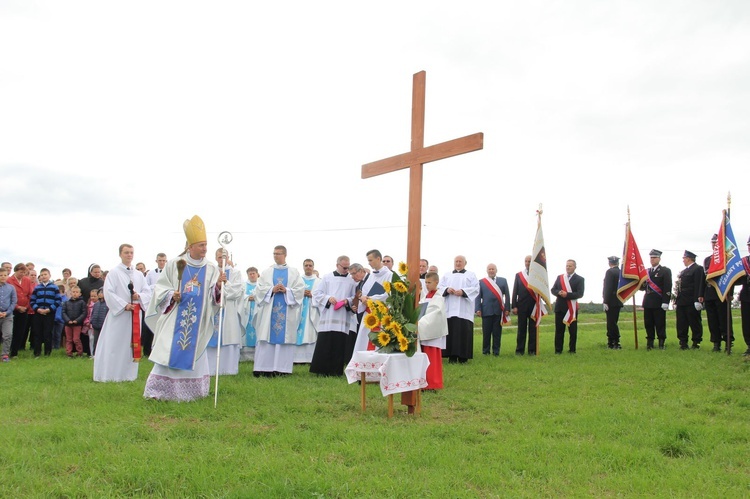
x=23 y=291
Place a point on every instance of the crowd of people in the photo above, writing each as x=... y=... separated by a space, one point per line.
x=195 y=318
x=691 y=294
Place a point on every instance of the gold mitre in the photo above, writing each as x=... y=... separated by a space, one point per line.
x=195 y=231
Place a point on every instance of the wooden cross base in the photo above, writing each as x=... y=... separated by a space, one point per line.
x=412 y=400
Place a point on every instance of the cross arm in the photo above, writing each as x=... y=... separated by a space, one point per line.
x=428 y=154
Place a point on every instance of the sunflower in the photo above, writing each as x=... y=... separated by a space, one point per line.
x=384 y=338
x=403 y=343
x=386 y=321
x=387 y=287
x=370 y=304
x=396 y=328
x=382 y=308
x=400 y=287
x=403 y=269
x=371 y=321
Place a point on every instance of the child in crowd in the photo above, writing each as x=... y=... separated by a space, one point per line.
x=98 y=314
x=45 y=299
x=74 y=314
x=93 y=299
x=432 y=328
x=57 y=332
x=8 y=301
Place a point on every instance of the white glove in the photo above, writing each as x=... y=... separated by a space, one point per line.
x=698 y=306
x=606 y=307
x=665 y=306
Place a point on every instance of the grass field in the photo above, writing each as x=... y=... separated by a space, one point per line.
x=600 y=423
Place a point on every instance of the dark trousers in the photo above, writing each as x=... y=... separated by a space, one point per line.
x=526 y=321
x=560 y=333
x=745 y=310
x=689 y=317
x=613 y=330
x=147 y=339
x=655 y=321
x=492 y=333
x=41 y=328
x=86 y=343
x=94 y=336
x=20 y=326
x=716 y=315
x=351 y=340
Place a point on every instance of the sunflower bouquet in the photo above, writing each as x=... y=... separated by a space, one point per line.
x=393 y=323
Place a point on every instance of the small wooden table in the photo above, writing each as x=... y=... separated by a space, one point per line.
x=395 y=372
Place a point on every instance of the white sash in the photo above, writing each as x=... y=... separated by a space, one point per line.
x=570 y=314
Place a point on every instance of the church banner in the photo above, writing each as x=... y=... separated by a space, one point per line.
x=538 y=278
x=632 y=271
x=726 y=263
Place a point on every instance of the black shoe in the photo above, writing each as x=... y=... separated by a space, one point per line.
x=610 y=346
x=617 y=347
x=716 y=348
x=558 y=353
x=696 y=346
x=521 y=352
x=661 y=344
x=683 y=346
x=747 y=353
x=571 y=351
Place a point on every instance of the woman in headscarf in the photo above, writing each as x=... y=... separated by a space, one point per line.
x=87 y=284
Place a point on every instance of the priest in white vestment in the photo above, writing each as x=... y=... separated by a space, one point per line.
x=278 y=300
x=181 y=316
x=307 y=331
x=335 y=297
x=461 y=288
x=114 y=359
x=247 y=311
x=231 y=325
x=372 y=288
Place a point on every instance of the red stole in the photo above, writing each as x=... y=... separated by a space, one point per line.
x=135 y=339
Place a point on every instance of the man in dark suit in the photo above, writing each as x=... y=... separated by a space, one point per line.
x=716 y=310
x=492 y=305
x=612 y=304
x=522 y=305
x=745 y=301
x=689 y=302
x=656 y=301
x=568 y=289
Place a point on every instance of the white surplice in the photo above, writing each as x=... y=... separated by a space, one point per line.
x=231 y=330
x=114 y=355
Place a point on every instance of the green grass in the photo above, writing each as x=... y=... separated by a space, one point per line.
x=600 y=423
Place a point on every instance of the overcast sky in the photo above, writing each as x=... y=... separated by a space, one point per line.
x=119 y=120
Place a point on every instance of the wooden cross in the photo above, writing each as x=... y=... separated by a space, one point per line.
x=414 y=160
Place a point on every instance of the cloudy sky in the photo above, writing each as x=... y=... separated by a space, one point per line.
x=119 y=120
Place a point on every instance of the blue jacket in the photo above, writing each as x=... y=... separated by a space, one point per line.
x=46 y=296
x=58 y=312
x=98 y=314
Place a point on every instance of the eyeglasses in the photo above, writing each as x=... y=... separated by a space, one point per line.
x=342 y=267
x=387 y=261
